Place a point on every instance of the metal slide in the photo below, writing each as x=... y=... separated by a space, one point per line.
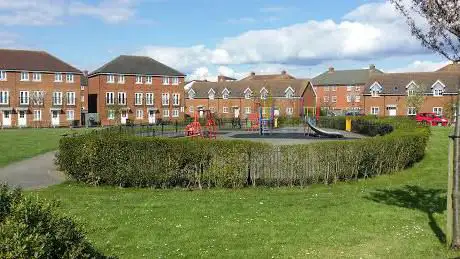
x=323 y=133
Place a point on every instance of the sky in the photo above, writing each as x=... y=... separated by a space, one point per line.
x=205 y=38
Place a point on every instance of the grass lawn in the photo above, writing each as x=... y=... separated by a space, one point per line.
x=18 y=144
x=399 y=216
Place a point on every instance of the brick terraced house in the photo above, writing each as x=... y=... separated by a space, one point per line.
x=137 y=88
x=388 y=94
x=238 y=99
x=341 y=90
x=37 y=90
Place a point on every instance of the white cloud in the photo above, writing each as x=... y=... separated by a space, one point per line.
x=242 y=20
x=8 y=40
x=359 y=36
x=110 y=11
x=420 y=66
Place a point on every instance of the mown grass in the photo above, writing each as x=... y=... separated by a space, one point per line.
x=399 y=216
x=18 y=144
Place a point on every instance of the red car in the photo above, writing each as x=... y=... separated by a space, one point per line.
x=431 y=119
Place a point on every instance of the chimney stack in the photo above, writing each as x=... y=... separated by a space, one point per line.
x=331 y=69
x=85 y=72
x=253 y=73
x=283 y=72
x=372 y=67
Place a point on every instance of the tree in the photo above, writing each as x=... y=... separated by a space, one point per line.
x=37 y=100
x=415 y=96
x=438 y=29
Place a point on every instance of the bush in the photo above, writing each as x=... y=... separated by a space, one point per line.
x=30 y=228
x=131 y=161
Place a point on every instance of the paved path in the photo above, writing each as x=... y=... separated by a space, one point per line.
x=32 y=173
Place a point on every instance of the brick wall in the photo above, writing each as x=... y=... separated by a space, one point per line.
x=340 y=92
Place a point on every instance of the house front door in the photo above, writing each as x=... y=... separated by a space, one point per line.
x=236 y=112
x=54 y=118
x=6 y=119
x=22 y=119
x=124 y=117
x=152 y=119
x=391 y=111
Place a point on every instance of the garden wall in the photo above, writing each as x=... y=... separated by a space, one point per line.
x=131 y=161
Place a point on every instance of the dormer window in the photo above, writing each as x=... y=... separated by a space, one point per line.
x=289 y=93
x=247 y=93
x=225 y=94
x=211 y=94
x=191 y=94
x=438 y=88
x=375 y=89
x=263 y=93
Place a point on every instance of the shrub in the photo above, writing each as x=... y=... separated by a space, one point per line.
x=30 y=228
x=126 y=160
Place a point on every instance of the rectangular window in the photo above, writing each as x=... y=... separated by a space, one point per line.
x=438 y=92
x=289 y=111
x=165 y=99
x=247 y=110
x=70 y=115
x=326 y=89
x=57 y=98
x=349 y=88
x=326 y=99
x=37 y=77
x=58 y=77
x=2 y=75
x=109 y=98
x=334 y=99
x=411 y=111
x=375 y=110
x=69 y=78
x=148 y=80
x=175 y=113
x=165 y=80
x=176 y=99
x=111 y=114
x=138 y=99
x=149 y=98
x=24 y=76
x=358 y=98
x=4 y=97
x=212 y=109
x=121 y=98
x=437 y=110
x=82 y=98
x=138 y=79
x=175 y=80
x=165 y=113
x=334 y=88
x=70 y=98
x=349 y=98
x=225 y=95
x=110 y=79
x=37 y=115
x=121 y=79
x=357 y=89
x=24 y=97
x=38 y=97
x=190 y=109
x=139 y=114
x=225 y=110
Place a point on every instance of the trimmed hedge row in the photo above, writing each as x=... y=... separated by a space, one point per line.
x=131 y=161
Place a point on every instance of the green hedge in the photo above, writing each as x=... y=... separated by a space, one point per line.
x=127 y=161
x=30 y=228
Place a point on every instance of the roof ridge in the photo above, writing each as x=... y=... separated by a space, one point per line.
x=104 y=66
x=62 y=61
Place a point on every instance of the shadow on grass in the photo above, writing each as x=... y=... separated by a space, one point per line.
x=429 y=201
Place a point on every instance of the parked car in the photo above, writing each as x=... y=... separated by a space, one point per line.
x=353 y=113
x=431 y=119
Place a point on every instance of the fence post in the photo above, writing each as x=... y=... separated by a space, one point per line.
x=162 y=128
x=177 y=127
x=249 y=180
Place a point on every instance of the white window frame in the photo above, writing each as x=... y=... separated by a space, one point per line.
x=326 y=99
x=176 y=99
x=247 y=110
x=349 y=88
x=57 y=98
x=109 y=98
x=36 y=77
x=24 y=96
x=326 y=89
x=348 y=98
x=263 y=94
x=411 y=111
x=289 y=110
x=138 y=98
x=358 y=89
x=121 y=98
x=149 y=99
x=357 y=98
x=438 y=110
x=438 y=92
x=71 y=98
x=121 y=79
x=39 y=94
x=3 y=75
x=165 y=99
x=190 y=109
x=334 y=88
x=149 y=80
x=24 y=76
x=175 y=113
x=212 y=109
x=175 y=81
x=165 y=113
x=82 y=99
x=375 y=110
x=375 y=93
x=110 y=79
x=166 y=80
x=111 y=114
x=224 y=109
x=4 y=97
x=69 y=78
x=70 y=115
x=35 y=113
x=191 y=94
x=334 y=99
x=139 y=79
x=58 y=77
x=139 y=114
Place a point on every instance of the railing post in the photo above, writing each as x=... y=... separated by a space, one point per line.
x=162 y=128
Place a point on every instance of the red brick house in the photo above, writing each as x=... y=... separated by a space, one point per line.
x=387 y=94
x=238 y=99
x=283 y=76
x=341 y=90
x=137 y=88
x=37 y=90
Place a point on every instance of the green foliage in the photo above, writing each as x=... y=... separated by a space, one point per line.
x=289 y=121
x=131 y=161
x=30 y=228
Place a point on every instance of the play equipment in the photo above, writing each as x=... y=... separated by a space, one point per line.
x=348 y=124
x=194 y=128
x=319 y=132
x=266 y=116
x=211 y=125
x=253 y=122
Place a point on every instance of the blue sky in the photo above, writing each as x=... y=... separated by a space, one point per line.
x=204 y=38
